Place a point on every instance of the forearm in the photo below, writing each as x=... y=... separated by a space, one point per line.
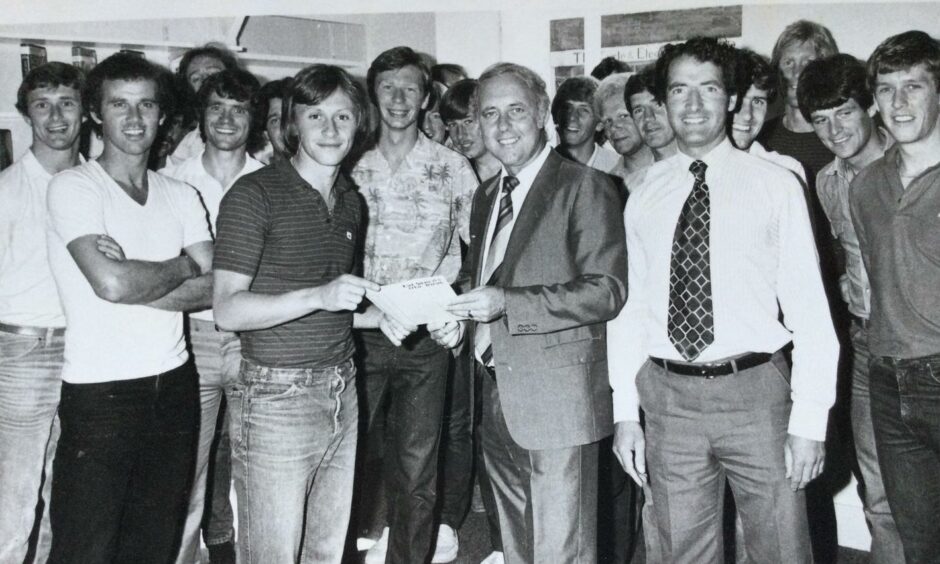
x=544 y=309
x=143 y=282
x=246 y=310
x=194 y=294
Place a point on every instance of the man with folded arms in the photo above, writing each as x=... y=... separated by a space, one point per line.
x=716 y=239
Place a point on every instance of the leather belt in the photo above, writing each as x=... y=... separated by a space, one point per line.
x=709 y=370
x=490 y=370
x=47 y=332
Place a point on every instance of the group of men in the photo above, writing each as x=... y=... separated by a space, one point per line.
x=683 y=273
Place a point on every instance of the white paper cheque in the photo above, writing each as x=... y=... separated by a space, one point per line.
x=419 y=301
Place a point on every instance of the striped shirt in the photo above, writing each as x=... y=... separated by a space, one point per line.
x=274 y=227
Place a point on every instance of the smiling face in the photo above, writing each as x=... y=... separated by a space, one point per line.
x=909 y=103
x=200 y=68
x=400 y=97
x=130 y=115
x=325 y=131
x=227 y=122
x=793 y=59
x=845 y=130
x=578 y=124
x=619 y=127
x=651 y=120
x=697 y=103
x=55 y=116
x=747 y=123
x=512 y=120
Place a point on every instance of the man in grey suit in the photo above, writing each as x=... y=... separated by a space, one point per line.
x=547 y=264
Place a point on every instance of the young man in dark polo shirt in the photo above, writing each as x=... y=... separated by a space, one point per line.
x=286 y=238
x=895 y=205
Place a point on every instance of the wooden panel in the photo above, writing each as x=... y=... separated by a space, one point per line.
x=674 y=25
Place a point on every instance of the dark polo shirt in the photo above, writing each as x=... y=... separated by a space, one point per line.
x=899 y=235
x=276 y=228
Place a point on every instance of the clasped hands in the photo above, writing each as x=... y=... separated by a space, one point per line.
x=482 y=304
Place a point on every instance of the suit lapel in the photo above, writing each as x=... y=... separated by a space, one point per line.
x=527 y=219
x=480 y=224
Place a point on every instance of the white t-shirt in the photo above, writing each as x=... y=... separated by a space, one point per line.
x=107 y=341
x=193 y=172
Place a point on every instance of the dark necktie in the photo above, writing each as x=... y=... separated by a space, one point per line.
x=691 y=324
x=494 y=259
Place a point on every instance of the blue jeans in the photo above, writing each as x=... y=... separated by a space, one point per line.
x=293 y=435
x=905 y=408
x=885 y=543
x=218 y=356
x=123 y=469
x=29 y=396
x=413 y=378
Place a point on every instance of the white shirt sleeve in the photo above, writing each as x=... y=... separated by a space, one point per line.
x=75 y=206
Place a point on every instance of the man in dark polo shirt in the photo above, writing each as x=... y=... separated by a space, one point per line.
x=895 y=206
x=286 y=238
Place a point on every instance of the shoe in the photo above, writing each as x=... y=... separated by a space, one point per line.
x=376 y=554
x=495 y=557
x=447 y=545
x=222 y=553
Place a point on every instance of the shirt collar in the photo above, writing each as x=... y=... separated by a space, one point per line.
x=841 y=166
x=35 y=168
x=714 y=159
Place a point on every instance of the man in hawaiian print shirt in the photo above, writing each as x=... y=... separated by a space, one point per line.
x=418 y=196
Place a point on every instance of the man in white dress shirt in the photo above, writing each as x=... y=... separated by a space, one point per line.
x=716 y=240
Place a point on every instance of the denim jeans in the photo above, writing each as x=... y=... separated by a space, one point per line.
x=123 y=469
x=412 y=378
x=905 y=408
x=885 y=543
x=29 y=429
x=218 y=356
x=455 y=482
x=294 y=434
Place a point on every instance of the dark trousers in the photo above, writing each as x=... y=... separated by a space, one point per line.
x=547 y=499
x=412 y=379
x=123 y=469
x=457 y=446
x=905 y=409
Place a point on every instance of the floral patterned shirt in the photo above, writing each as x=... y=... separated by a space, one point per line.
x=416 y=213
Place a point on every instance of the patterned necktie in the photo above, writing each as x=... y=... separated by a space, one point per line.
x=691 y=324
x=483 y=345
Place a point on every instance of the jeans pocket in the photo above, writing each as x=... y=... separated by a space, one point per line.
x=270 y=392
x=933 y=371
x=15 y=347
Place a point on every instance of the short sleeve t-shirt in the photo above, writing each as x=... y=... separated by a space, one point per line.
x=108 y=341
x=276 y=228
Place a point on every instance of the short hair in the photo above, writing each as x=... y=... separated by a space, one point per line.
x=532 y=81
x=459 y=102
x=394 y=59
x=704 y=50
x=271 y=90
x=49 y=75
x=234 y=84
x=612 y=85
x=312 y=86
x=802 y=31
x=833 y=81
x=643 y=81
x=903 y=51
x=125 y=66
x=755 y=70
x=448 y=74
x=214 y=50
x=574 y=89
x=608 y=66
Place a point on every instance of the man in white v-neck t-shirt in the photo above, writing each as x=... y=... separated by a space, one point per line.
x=128 y=248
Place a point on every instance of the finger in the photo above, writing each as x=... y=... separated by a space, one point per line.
x=788 y=461
x=797 y=480
x=360 y=283
x=639 y=457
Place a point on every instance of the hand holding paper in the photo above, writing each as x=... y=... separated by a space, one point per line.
x=416 y=302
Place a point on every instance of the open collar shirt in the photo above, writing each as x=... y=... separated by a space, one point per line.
x=763 y=260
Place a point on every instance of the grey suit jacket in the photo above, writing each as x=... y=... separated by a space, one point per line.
x=564 y=273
